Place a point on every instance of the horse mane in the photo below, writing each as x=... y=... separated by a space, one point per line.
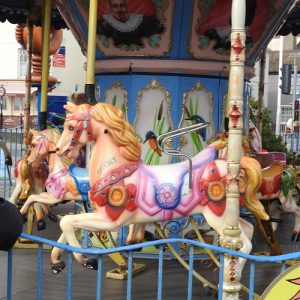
x=52 y=135
x=254 y=179
x=26 y=177
x=122 y=132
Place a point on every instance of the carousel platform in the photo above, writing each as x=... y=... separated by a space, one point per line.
x=144 y=284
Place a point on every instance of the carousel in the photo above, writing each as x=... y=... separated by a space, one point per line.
x=174 y=174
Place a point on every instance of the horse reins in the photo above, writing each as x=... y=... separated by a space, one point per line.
x=83 y=124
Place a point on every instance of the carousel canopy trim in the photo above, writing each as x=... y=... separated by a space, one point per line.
x=291 y=24
x=17 y=12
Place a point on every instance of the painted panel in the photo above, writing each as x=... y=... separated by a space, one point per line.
x=210 y=29
x=116 y=95
x=198 y=105
x=153 y=116
x=132 y=27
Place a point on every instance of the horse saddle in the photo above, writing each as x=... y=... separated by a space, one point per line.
x=81 y=177
x=265 y=159
x=271 y=180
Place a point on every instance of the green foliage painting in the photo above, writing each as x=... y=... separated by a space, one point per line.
x=152 y=157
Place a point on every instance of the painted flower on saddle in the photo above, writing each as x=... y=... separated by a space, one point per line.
x=212 y=187
x=166 y=195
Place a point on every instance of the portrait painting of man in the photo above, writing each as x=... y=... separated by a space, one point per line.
x=211 y=26
x=127 y=28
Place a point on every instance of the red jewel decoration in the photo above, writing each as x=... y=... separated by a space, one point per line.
x=235 y=115
x=217 y=207
x=238 y=47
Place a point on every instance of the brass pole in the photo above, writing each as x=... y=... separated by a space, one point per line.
x=91 y=52
x=28 y=80
x=231 y=234
x=45 y=62
x=261 y=92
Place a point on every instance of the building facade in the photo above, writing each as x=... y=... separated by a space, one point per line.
x=67 y=66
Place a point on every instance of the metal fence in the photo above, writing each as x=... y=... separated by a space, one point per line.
x=13 y=139
x=253 y=261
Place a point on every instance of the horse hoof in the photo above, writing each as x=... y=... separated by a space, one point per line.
x=207 y=291
x=91 y=262
x=20 y=203
x=57 y=267
x=41 y=225
x=52 y=217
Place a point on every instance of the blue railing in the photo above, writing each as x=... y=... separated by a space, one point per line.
x=100 y=253
x=13 y=141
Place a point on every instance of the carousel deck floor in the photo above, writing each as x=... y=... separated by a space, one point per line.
x=144 y=285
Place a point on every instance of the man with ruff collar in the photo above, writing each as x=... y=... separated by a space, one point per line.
x=127 y=28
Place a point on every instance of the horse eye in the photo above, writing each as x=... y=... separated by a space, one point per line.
x=33 y=145
x=71 y=127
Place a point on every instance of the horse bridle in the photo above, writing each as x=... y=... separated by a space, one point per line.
x=42 y=145
x=83 y=124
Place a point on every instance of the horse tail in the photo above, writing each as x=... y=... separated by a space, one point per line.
x=254 y=178
x=288 y=180
x=26 y=178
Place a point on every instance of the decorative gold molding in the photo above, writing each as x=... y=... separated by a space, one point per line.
x=117 y=85
x=154 y=85
x=198 y=87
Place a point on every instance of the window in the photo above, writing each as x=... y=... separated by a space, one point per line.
x=4 y=103
x=22 y=63
x=19 y=103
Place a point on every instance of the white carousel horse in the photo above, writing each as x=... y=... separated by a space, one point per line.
x=60 y=184
x=65 y=183
x=126 y=191
x=31 y=180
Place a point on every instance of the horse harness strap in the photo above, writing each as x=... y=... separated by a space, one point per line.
x=83 y=124
x=112 y=193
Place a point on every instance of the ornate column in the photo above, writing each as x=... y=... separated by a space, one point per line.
x=231 y=235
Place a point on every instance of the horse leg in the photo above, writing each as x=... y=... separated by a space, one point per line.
x=16 y=193
x=39 y=213
x=140 y=233
x=87 y=221
x=130 y=239
x=135 y=234
x=43 y=198
x=56 y=264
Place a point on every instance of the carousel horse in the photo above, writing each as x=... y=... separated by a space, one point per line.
x=31 y=180
x=278 y=180
x=65 y=182
x=126 y=191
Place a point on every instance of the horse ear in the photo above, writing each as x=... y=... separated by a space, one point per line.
x=70 y=107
